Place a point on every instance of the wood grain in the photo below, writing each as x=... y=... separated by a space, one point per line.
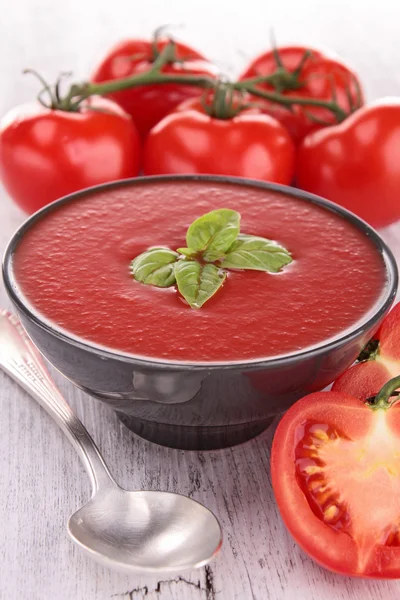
x=42 y=481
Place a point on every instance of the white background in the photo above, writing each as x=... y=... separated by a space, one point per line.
x=53 y=36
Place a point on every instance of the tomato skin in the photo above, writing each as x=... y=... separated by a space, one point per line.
x=148 y=104
x=368 y=556
x=363 y=380
x=46 y=154
x=389 y=335
x=248 y=145
x=319 y=72
x=356 y=164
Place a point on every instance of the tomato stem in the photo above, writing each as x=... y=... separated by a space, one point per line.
x=150 y=77
x=154 y=42
x=46 y=88
x=383 y=398
x=165 y=57
x=289 y=101
x=275 y=51
x=223 y=104
x=281 y=80
x=307 y=54
x=162 y=31
x=359 y=96
x=153 y=76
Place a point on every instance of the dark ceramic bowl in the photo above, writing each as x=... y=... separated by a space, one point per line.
x=201 y=405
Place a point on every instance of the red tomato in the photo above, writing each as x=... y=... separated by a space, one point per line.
x=46 y=154
x=389 y=335
x=366 y=378
x=356 y=164
x=336 y=477
x=248 y=145
x=319 y=73
x=149 y=104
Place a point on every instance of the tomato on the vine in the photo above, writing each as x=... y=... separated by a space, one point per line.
x=336 y=476
x=46 y=153
x=249 y=144
x=305 y=73
x=356 y=164
x=148 y=104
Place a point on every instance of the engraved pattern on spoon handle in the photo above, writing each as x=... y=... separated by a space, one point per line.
x=22 y=361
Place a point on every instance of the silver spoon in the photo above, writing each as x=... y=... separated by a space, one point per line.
x=133 y=531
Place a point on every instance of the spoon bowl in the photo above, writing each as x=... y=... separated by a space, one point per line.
x=146 y=531
x=139 y=531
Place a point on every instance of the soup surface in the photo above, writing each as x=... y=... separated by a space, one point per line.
x=73 y=267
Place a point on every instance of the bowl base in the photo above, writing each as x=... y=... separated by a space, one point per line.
x=195 y=437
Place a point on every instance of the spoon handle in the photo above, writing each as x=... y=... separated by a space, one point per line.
x=20 y=359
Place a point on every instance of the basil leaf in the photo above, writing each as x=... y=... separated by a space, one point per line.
x=155 y=267
x=214 y=233
x=187 y=252
x=196 y=282
x=257 y=253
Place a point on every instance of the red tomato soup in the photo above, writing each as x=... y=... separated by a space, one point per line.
x=73 y=267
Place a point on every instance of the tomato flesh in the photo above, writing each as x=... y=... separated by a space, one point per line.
x=312 y=478
x=343 y=481
x=336 y=477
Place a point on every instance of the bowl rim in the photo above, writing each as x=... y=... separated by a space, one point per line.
x=23 y=305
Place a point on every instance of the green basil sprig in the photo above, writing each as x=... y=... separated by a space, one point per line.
x=214 y=244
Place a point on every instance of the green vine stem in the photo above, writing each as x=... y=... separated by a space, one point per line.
x=290 y=101
x=79 y=92
x=224 y=103
x=383 y=398
x=282 y=79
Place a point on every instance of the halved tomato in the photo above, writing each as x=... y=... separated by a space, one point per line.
x=336 y=477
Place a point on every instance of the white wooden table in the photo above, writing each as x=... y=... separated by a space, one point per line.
x=41 y=479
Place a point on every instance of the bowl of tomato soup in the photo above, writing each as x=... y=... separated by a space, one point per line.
x=214 y=376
